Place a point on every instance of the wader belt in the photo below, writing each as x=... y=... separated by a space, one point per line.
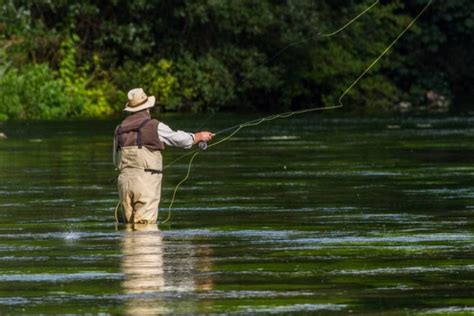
x=153 y=171
x=137 y=130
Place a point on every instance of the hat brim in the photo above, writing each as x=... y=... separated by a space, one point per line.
x=149 y=104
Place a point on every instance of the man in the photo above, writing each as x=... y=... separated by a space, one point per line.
x=138 y=142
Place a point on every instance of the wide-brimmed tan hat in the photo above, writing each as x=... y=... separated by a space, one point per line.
x=138 y=100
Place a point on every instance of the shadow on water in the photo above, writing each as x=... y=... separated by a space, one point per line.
x=310 y=215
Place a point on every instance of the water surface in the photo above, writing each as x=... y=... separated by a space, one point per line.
x=304 y=215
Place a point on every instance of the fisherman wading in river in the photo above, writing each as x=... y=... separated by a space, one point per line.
x=138 y=142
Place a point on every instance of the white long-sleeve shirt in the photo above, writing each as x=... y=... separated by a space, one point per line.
x=175 y=138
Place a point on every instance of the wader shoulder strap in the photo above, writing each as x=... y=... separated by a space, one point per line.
x=119 y=138
x=139 y=132
x=153 y=171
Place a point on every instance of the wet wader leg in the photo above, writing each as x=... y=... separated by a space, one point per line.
x=147 y=193
x=126 y=197
x=140 y=194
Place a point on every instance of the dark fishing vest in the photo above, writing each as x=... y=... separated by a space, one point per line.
x=139 y=130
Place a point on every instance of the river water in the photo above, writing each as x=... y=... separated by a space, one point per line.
x=308 y=215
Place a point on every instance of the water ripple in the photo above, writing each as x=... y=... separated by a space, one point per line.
x=284 y=309
x=55 y=277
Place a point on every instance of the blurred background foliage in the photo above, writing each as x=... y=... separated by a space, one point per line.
x=63 y=59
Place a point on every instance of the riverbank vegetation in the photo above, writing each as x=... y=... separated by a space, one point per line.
x=65 y=59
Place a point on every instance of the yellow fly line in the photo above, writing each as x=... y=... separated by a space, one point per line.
x=235 y=129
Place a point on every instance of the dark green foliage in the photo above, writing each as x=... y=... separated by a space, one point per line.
x=198 y=55
x=340 y=60
x=440 y=56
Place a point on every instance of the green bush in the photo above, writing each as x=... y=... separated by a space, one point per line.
x=155 y=77
x=204 y=82
x=34 y=92
x=187 y=84
x=90 y=99
x=342 y=59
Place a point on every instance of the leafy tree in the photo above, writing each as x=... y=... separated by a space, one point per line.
x=266 y=55
x=337 y=63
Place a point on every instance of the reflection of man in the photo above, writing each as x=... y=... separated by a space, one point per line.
x=143 y=258
x=152 y=266
x=138 y=142
x=142 y=266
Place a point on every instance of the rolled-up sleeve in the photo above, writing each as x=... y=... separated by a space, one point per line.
x=175 y=138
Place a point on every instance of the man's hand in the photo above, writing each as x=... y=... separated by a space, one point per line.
x=202 y=137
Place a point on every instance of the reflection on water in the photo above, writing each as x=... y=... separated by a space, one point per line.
x=142 y=266
x=155 y=270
